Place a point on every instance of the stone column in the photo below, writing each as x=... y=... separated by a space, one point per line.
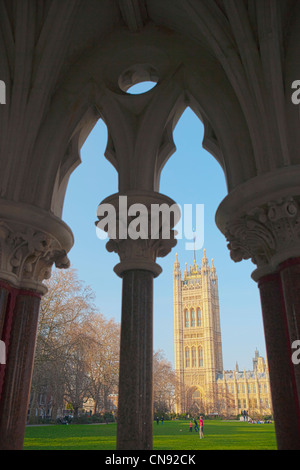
x=268 y=233
x=7 y=301
x=23 y=313
x=135 y=403
x=283 y=385
x=137 y=268
x=290 y=280
x=30 y=242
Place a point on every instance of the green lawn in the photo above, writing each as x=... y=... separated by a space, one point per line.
x=172 y=435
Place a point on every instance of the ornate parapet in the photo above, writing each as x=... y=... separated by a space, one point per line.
x=140 y=226
x=267 y=232
x=31 y=241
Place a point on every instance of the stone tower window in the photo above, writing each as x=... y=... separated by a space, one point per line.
x=187 y=320
x=199 y=317
x=200 y=356
x=193 y=318
x=187 y=357
x=194 y=357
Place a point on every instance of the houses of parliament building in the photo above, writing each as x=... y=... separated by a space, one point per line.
x=202 y=384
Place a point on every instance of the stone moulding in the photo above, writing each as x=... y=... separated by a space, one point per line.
x=29 y=249
x=134 y=14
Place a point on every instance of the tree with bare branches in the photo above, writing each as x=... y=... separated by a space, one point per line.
x=163 y=384
x=103 y=360
x=74 y=341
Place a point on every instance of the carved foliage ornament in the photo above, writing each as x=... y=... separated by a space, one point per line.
x=29 y=254
x=138 y=248
x=265 y=232
x=141 y=253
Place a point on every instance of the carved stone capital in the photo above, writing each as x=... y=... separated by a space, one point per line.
x=268 y=234
x=29 y=249
x=139 y=250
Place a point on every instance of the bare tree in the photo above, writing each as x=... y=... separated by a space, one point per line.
x=163 y=384
x=103 y=362
x=76 y=377
x=69 y=325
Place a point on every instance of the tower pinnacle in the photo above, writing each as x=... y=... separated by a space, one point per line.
x=176 y=264
x=204 y=259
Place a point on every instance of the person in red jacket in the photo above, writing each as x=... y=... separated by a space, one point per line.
x=201 y=428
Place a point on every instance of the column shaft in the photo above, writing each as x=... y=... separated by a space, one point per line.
x=135 y=413
x=4 y=326
x=19 y=333
x=282 y=377
x=290 y=279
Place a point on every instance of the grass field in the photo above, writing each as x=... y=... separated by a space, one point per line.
x=172 y=435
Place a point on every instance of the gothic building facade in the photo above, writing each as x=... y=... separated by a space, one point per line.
x=202 y=383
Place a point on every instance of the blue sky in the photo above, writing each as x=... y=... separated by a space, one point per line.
x=191 y=176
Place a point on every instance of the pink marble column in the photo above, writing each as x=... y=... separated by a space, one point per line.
x=19 y=334
x=282 y=374
x=7 y=299
x=290 y=280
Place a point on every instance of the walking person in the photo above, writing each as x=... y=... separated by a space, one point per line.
x=201 y=434
x=196 y=425
x=191 y=426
